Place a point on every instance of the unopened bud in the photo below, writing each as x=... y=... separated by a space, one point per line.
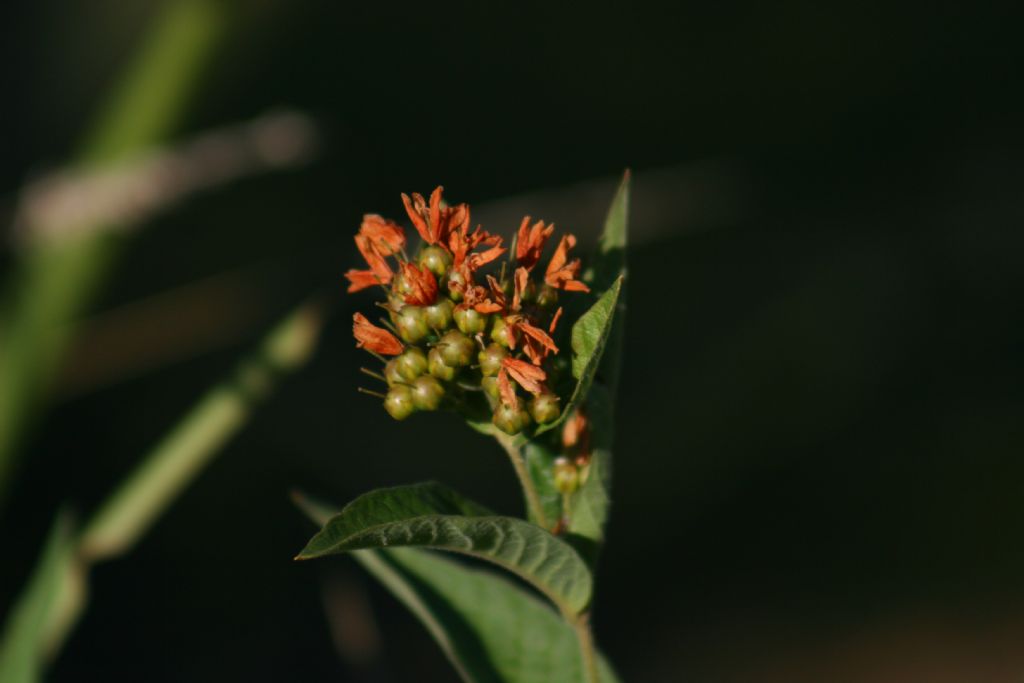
x=470 y=321
x=439 y=315
x=490 y=386
x=391 y=373
x=436 y=260
x=545 y=408
x=501 y=333
x=456 y=285
x=411 y=324
x=490 y=359
x=411 y=364
x=510 y=420
x=567 y=477
x=427 y=393
x=438 y=368
x=456 y=349
x=399 y=403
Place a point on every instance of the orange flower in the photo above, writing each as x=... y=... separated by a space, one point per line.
x=386 y=235
x=372 y=338
x=528 y=376
x=425 y=220
x=432 y=222
x=477 y=299
x=420 y=283
x=562 y=273
x=520 y=279
x=536 y=342
x=530 y=242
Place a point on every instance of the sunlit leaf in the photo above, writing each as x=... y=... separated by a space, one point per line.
x=489 y=628
x=432 y=516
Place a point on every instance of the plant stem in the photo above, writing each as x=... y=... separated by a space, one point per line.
x=587 y=652
x=515 y=454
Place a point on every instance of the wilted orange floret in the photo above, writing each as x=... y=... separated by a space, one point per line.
x=476 y=297
x=562 y=274
x=386 y=235
x=377 y=238
x=433 y=222
x=529 y=377
x=537 y=344
x=372 y=338
x=420 y=283
x=530 y=242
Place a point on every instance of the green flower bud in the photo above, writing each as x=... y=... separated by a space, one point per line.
x=427 y=393
x=490 y=359
x=545 y=408
x=456 y=349
x=510 y=420
x=399 y=402
x=391 y=372
x=567 y=478
x=547 y=296
x=410 y=364
x=456 y=283
x=438 y=368
x=411 y=323
x=439 y=316
x=501 y=333
x=469 y=321
x=490 y=386
x=436 y=260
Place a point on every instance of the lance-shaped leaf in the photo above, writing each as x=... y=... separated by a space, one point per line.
x=589 y=336
x=600 y=329
x=491 y=629
x=433 y=516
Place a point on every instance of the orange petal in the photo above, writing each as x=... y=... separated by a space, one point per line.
x=506 y=390
x=422 y=285
x=484 y=257
x=372 y=338
x=562 y=273
x=374 y=259
x=521 y=278
x=526 y=375
x=554 y=321
x=435 y=214
x=487 y=307
x=539 y=335
x=361 y=279
x=414 y=207
x=386 y=235
x=530 y=242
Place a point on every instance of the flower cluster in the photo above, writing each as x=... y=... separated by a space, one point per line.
x=451 y=328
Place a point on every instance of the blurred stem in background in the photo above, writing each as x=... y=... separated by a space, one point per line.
x=55 y=596
x=55 y=280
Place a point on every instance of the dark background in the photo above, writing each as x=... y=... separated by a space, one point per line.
x=819 y=469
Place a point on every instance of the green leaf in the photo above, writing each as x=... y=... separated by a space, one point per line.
x=432 y=516
x=610 y=260
x=597 y=335
x=39 y=615
x=490 y=629
x=589 y=335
